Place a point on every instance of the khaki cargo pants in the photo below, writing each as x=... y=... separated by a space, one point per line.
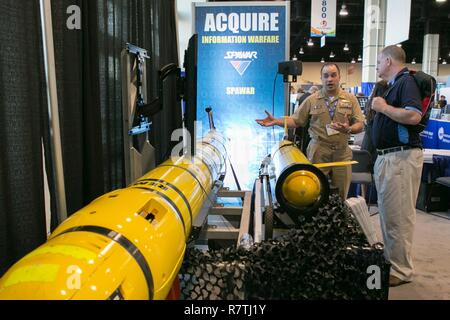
x=397 y=178
x=320 y=152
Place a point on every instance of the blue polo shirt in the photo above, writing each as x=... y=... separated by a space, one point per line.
x=403 y=92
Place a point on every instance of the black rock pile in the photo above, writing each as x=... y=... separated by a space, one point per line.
x=328 y=257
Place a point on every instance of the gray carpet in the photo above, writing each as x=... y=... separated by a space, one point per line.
x=445 y=215
x=431 y=254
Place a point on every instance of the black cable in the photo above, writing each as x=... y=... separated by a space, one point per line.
x=273 y=108
x=238 y=185
x=273 y=93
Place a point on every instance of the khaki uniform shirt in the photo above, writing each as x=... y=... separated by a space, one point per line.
x=318 y=106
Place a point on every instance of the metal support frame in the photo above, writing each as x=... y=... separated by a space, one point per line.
x=232 y=223
x=216 y=222
x=258 y=214
x=52 y=99
x=139 y=154
x=244 y=228
x=267 y=207
x=202 y=217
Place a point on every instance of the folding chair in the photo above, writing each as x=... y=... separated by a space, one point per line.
x=362 y=172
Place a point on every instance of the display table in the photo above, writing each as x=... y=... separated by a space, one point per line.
x=436 y=135
x=428 y=154
x=432 y=195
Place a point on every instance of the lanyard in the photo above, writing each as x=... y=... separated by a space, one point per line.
x=390 y=85
x=331 y=109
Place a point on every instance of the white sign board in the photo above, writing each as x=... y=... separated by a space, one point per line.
x=323 y=18
x=398 y=15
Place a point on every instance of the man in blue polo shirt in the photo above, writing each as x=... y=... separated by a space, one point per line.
x=398 y=168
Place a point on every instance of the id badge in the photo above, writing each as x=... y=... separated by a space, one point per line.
x=331 y=131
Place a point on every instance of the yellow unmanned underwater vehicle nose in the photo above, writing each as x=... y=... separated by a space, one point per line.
x=127 y=244
x=301 y=187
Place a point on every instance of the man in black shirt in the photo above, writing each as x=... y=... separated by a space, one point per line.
x=398 y=168
x=442 y=102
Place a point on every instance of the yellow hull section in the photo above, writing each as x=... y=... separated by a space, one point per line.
x=300 y=185
x=126 y=244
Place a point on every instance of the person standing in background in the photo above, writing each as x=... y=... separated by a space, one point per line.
x=378 y=91
x=304 y=96
x=442 y=102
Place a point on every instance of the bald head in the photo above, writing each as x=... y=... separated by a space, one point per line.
x=395 y=53
x=391 y=61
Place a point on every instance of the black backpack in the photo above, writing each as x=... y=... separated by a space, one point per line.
x=427 y=87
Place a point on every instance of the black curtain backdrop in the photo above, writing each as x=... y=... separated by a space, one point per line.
x=22 y=110
x=77 y=76
x=162 y=25
x=88 y=73
x=90 y=88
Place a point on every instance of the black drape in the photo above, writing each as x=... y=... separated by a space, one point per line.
x=88 y=74
x=90 y=87
x=162 y=24
x=22 y=110
x=77 y=76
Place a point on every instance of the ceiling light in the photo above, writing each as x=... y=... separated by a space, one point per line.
x=343 y=11
x=346 y=47
x=399 y=45
x=310 y=42
x=444 y=61
x=353 y=60
x=301 y=51
x=359 y=58
x=332 y=54
x=413 y=61
x=441 y=0
x=294 y=57
x=323 y=60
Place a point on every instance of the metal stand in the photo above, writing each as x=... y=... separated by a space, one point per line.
x=276 y=222
x=239 y=225
x=139 y=153
x=53 y=110
x=224 y=223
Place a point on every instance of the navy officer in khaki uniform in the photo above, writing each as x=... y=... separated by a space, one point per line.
x=333 y=115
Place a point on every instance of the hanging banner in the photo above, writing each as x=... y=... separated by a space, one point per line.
x=323 y=18
x=322 y=41
x=239 y=47
x=397 y=25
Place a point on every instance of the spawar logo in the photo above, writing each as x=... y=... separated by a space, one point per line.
x=241 y=60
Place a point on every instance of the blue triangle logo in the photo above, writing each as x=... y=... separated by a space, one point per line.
x=240 y=66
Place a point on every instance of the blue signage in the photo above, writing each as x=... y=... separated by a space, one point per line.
x=239 y=48
x=429 y=135
x=443 y=134
x=436 y=135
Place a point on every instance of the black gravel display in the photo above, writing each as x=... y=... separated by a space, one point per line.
x=327 y=257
